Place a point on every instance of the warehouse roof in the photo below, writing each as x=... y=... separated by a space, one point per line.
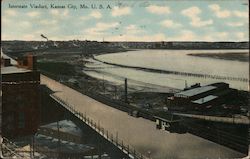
x=12 y=61
x=205 y=99
x=195 y=91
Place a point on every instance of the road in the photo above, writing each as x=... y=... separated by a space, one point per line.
x=140 y=133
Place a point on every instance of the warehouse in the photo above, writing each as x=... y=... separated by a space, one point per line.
x=201 y=97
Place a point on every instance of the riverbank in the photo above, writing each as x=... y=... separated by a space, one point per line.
x=243 y=57
x=70 y=68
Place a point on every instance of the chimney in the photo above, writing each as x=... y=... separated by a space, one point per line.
x=28 y=62
x=31 y=62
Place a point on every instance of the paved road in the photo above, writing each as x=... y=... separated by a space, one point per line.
x=141 y=133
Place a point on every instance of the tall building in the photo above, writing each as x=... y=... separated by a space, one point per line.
x=20 y=96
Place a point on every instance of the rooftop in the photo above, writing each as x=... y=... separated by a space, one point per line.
x=195 y=91
x=12 y=61
x=66 y=126
x=13 y=69
x=205 y=99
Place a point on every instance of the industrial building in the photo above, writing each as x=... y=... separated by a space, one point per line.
x=20 y=96
x=200 y=97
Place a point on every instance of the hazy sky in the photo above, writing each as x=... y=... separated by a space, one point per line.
x=141 y=20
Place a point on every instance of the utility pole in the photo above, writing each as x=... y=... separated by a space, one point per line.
x=58 y=133
x=33 y=145
x=126 y=90
x=31 y=148
x=115 y=92
x=116 y=137
x=103 y=84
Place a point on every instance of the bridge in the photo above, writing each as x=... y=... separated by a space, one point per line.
x=101 y=131
x=137 y=137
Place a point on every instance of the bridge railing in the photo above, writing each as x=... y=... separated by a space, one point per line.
x=130 y=151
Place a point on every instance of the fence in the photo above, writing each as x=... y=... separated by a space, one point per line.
x=131 y=152
x=9 y=149
x=199 y=75
x=233 y=120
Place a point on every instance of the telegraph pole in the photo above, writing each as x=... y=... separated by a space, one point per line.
x=115 y=92
x=103 y=84
x=33 y=145
x=58 y=133
x=126 y=90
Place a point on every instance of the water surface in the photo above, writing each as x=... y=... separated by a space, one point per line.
x=171 y=60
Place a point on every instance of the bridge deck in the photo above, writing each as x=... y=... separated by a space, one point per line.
x=138 y=132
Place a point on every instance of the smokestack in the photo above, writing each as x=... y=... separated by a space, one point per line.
x=44 y=37
x=126 y=90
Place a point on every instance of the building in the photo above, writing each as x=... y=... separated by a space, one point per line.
x=20 y=96
x=171 y=123
x=200 y=97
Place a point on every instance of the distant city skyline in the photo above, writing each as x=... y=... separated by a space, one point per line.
x=195 y=20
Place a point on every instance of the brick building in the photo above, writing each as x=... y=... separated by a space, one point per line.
x=20 y=96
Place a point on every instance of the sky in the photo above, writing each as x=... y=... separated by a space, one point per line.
x=126 y=20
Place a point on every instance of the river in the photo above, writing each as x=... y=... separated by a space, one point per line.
x=170 y=60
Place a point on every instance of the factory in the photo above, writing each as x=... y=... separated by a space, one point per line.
x=201 y=97
x=20 y=96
